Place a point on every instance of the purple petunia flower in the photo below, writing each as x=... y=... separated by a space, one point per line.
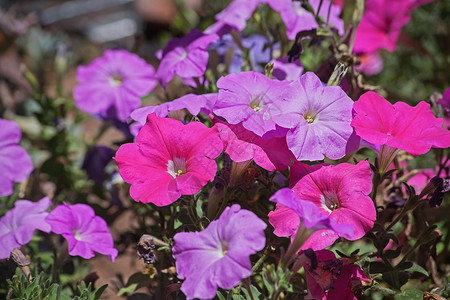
x=15 y=163
x=318 y=117
x=298 y=19
x=285 y=70
x=113 y=84
x=235 y=16
x=84 y=231
x=18 y=225
x=250 y=98
x=186 y=57
x=219 y=255
x=193 y=103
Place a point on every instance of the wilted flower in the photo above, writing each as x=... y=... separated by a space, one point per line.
x=250 y=98
x=186 y=57
x=169 y=159
x=18 y=225
x=113 y=84
x=219 y=255
x=15 y=163
x=400 y=126
x=340 y=192
x=84 y=231
x=330 y=278
x=318 y=117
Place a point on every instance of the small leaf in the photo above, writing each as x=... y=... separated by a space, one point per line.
x=377 y=267
x=128 y=289
x=392 y=253
x=220 y=296
x=411 y=267
x=238 y=297
x=98 y=292
x=412 y=294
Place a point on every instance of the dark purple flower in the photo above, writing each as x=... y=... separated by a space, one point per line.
x=95 y=162
x=186 y=57
x=18 y=225
x=84 y=231
x=219 y=255
x=15 y=163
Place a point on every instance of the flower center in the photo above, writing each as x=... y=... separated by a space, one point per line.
x=115 y=80
x=309 y=117
x=224 y=248
x=77 y=235
x=256 y=104
x=329 y=201
x=176 y=167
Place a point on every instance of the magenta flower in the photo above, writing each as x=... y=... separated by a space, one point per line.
x=250 y=98
x=298 y=19
x=219 y=255
x=193 y=103
x=84 y=231
x=340 y=192
x=413 y=129
x=113 y=84
x=234 y=16
x=382 y=23
x=318 y=117
x=186 y=57
x=243 y=145
x=333 y=278
x=168 y=160
x=371 y=64
x=17 y=225
x=303 y=221
x=15 y=163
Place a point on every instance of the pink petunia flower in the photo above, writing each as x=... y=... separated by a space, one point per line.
x=318 y=117
x=15 y=163
x=413 y=129
x=243 y=145
x=84 y=231
x=285 y=70
x=299 y=19
x=219 y=255
x=250 y=98
x=186 y=57
x=371 y=64
x=169 y=159
x=340 y=192
x=382 y=23
x=113 y=84
x=17 y=226
x=333 y=279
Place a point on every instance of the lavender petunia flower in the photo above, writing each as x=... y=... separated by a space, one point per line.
x=193 y=103
x=250 y=98
x=18 y=225
x=235 y=16
x=319 y=119
x=186 y=57
x=299 y=19
x=113 y=84
x=84 y=231
x=285 y=70
x=219 y=255
x=15 y=163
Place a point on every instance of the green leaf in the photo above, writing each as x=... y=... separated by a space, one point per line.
x=128 y=289
x=412 y=294
x=411 y=267
x=238 y=297
x=98 y=292
x=220 y=296
x=255 y=292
